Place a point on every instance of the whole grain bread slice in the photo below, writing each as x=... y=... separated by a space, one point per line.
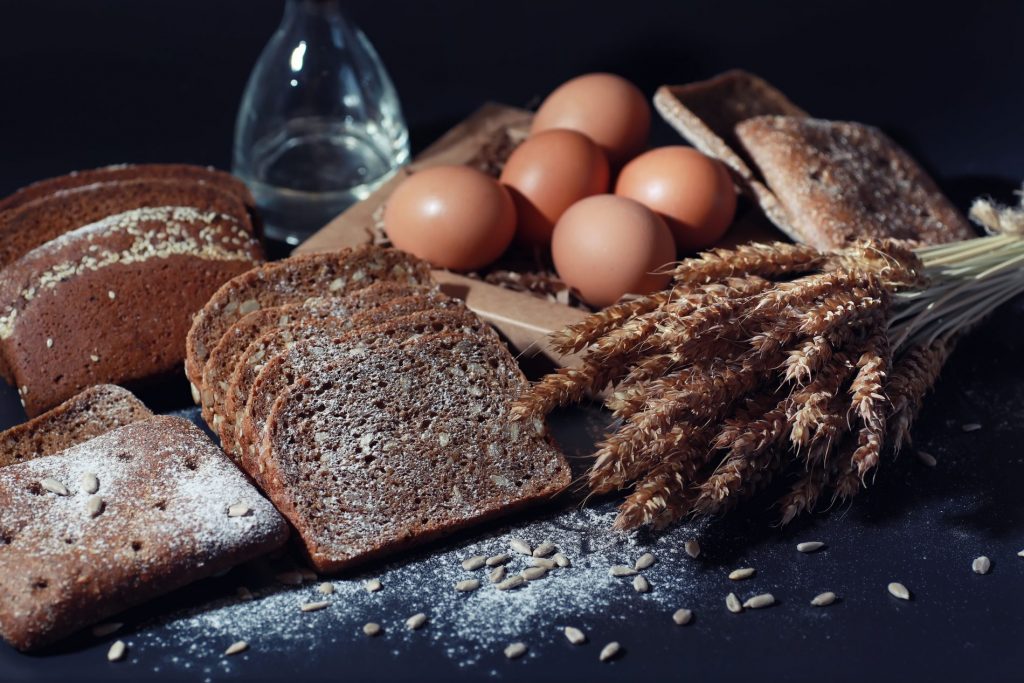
x=160 y=520
x=841 y=181
x=291 y=281
x=370 y=455
x=95 y=411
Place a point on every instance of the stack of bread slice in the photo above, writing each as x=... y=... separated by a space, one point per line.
x=371 y=408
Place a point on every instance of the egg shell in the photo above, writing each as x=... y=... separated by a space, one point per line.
x=547 y=174
x=606 y=246
x=455 y=217
x=693 y=192
x=607 y=108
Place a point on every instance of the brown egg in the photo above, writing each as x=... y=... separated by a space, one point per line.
x=455 y=217
x=547 y=174
x=605 y=246
x=693 y=192
x=607 y=108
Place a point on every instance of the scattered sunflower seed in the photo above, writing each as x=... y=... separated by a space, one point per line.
x=810 y=546
x=609 y=651
x=326 y=588
x=622 y=570
x=416 y=621
x=90 y=483
x=641 y=584
x=105 y=629
x=290 y=578
x=971 y=427
x=898 y=590
x=495 y=560
x=1020 y=553
x=733 y=603
x=511 y=582
x=575 y=636
x=742 y=573
x=117 y=651
x=371 y=629
x=373 y=585
x=927 y=458
x=238 y=510
x=534 y=573
x=644 y=561
x=515 y=650
x=759 y=601
x=981 y=565
x=544 y=549
x=497 y=575
x=314 y=606
x=561 y=560
x=823 y=599
x=94 y=506
x=692 y=548
x=543 y=562
x=520 y=546
x=682 y=617
x=236 y=647
x=244 y=593
x=473 y=563
x=54 y=487
x=467 y=585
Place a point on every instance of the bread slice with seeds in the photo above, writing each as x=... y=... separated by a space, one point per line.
x=157 y=518
x=111 y=302
x=348 y=447
x=95 y=411
x=293 y=281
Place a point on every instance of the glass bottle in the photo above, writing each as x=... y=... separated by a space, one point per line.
x=320 y=125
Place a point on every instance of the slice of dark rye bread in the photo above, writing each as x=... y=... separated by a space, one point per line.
x=201 y=174
x=840 y=181
x=95 y=411
x=292 y=281
x=372 y=454
x=36 y=222
x=276 y=341
x=316 y=348
x=163 y=522
x=112 y=301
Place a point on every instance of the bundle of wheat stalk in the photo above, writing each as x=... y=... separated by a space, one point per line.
x=772 y=361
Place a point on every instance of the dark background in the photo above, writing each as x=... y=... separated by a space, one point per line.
x=87 y=83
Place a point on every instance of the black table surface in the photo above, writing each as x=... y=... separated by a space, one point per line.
x=91 y=83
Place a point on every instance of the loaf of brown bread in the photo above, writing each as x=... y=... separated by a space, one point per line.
x=373 y=453
x=112 y=301
x=292 y=281
x=95 y=411
x=120 y=519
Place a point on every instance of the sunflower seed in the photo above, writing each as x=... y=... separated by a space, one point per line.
x=561 y=560
x=497 y=575
x=307 y=574
x=373 y=585
x=971 y=427
x=534 y=573
x=236 y=647
x=238 y=510
x=743 y=573
x=809 y=546
x=289 y=578
x=495 y=560
x=467 y=585
x=644 y=561
x=326 y=588
x=371 y=629
x=244 y=593
x=416 y=621
x=609 y=651
x=94 y=506
x=981 y=565
x=692 y=548
x=117 y=651
x=733 y=603
x=515 y=650
x=104 y=630
x=314 y=606
x=520 y=546
x=544 y=549
x=759 y=601
x=54 y=486
x=1020 y=553
x=898 y=590
x=682 y=617
x=641 y=585
x=575 y=636
x=823 y=599
x=90 y=484
x=543 y=562
x=927 y=458
x=511 y=582
x=622 y=570
x=472 y=563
